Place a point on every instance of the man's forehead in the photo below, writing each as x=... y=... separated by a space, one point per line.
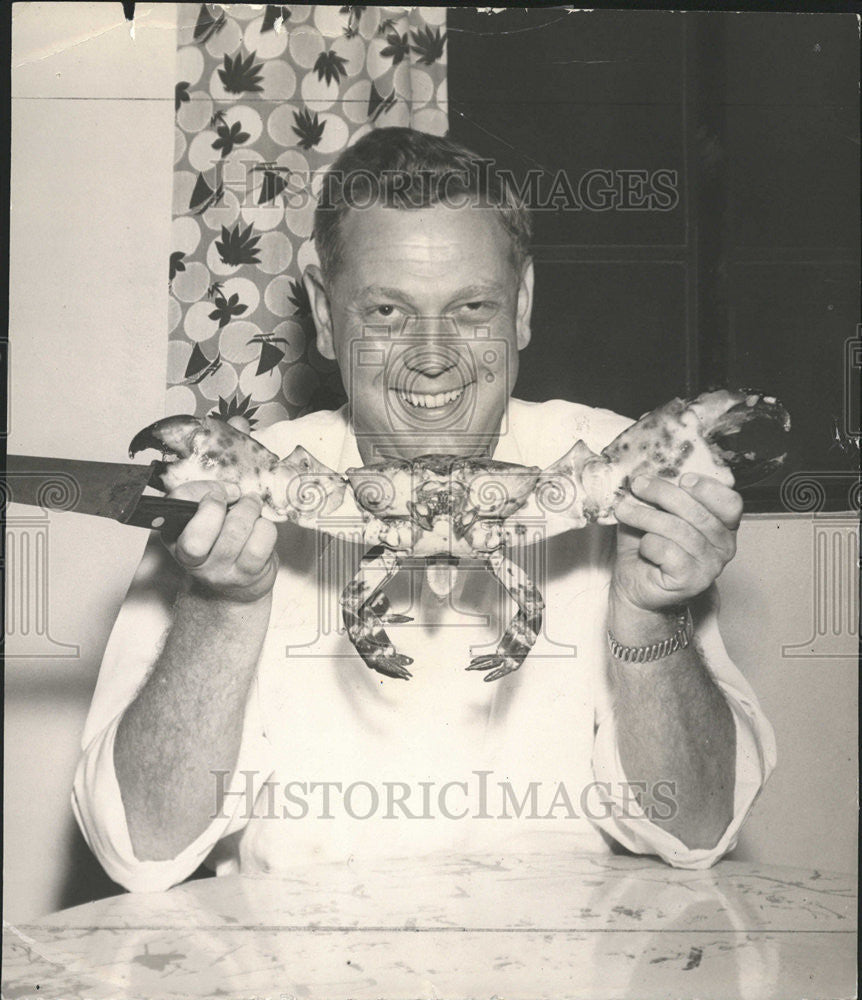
x=424 y=243
x=422 y=231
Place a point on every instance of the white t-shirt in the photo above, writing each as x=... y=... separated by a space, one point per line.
x=339 y=761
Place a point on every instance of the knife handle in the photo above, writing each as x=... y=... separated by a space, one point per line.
x=164 y=514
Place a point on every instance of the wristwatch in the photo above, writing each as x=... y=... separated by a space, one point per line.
x=658 y=650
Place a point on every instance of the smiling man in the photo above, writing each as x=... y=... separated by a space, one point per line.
x=427 y=311
x=234 y=723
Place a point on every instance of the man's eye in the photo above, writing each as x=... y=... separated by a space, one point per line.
x=385 y=310
x=478 y=308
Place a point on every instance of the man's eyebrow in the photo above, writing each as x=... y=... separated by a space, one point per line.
x=383 y=292
x=468 y=293
x=477 y=291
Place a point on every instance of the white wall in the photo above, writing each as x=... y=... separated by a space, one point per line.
x=92 y=148
x=806 y=815
x=92 y=134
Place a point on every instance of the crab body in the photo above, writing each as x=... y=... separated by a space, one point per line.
x=450 y=507
x=441 y=505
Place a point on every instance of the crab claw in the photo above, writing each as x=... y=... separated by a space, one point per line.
x=748 y=437
x=206 y=448
x=173 y=436
x=504 y=665
x=298 y=488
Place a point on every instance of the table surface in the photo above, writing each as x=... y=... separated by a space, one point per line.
x=473 y=926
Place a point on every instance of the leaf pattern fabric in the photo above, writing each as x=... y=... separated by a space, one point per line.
x=266 y=98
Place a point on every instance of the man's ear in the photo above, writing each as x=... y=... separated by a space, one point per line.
x=525 y=306
x=316 y=289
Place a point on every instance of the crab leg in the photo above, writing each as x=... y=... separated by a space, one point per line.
x=520 y=637
x=361 y=608
x=380 y=605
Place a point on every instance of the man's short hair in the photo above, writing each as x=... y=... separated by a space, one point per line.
x=403 y=168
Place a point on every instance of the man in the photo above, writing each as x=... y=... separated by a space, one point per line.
x=233 y=722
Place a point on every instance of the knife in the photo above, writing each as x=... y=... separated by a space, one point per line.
x=103 y=489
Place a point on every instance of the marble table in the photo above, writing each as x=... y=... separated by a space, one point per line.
x=473 y=926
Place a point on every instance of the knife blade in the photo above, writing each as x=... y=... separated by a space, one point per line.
x=103 y=489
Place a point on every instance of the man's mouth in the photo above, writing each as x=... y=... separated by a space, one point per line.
x=430 y=401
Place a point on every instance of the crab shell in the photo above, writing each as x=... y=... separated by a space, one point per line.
x=735 y=437
x=297 y=488
x=442 y=505
x=445 y=504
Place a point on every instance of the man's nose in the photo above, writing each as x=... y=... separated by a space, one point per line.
x=431 y=362
x=431 y=329
x=435 y=348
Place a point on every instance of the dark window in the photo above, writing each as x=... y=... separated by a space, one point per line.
x=747 y=273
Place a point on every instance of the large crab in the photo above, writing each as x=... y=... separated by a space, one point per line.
x=449 y=507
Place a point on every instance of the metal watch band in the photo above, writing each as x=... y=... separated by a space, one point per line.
x=658 y=650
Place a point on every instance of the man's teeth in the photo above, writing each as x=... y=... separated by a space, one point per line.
x=427 y=400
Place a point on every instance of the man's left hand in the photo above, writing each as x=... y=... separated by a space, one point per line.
x=673 y=545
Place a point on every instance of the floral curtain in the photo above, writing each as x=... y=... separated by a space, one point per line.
x=266 y=98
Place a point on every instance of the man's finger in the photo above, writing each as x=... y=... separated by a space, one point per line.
x=238 y=526
x=664 y=524
x=722 y=501
x=679 y=501
x=669 y=557
x=258 y=549
x=197 y=539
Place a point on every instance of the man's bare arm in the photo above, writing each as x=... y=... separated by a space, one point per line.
x=186 y=721
x=673 y=722
x=673 y=726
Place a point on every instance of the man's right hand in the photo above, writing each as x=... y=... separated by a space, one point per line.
x=227 y=552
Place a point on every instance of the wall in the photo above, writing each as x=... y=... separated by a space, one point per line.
x=807 y=813
x=91 y=184
x=92 y=141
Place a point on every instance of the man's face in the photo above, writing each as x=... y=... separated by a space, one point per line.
x=425 y=317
